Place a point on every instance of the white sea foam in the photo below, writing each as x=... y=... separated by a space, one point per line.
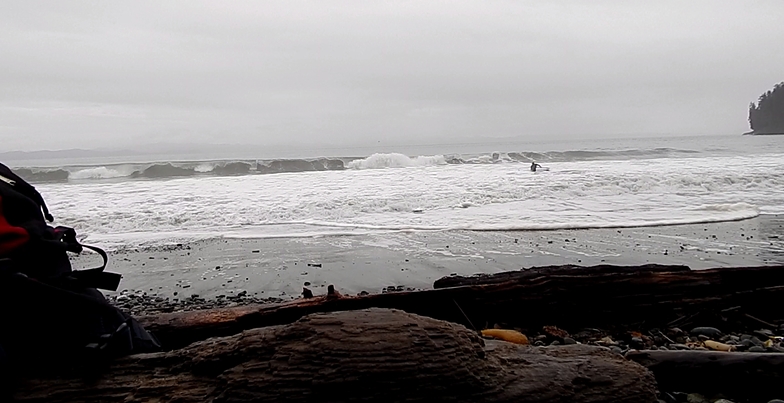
x=395 y=160
x=423 y=197
x=97 y=173
x=204 y=167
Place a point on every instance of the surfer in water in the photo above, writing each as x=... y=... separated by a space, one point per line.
x=534 y=165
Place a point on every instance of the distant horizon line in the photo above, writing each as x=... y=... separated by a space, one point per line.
x=145 y=149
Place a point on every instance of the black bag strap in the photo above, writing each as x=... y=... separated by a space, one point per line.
x=97 y=277
x=100 y=252
x=67 y=236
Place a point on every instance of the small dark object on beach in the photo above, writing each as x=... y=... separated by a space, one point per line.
x=255 y=251
x=306 y=293
x=331 y=292
x=314 y=264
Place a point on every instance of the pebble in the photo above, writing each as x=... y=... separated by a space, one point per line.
x=757 y=349
x=776 y=401
x=569 y=340
x=711 y=332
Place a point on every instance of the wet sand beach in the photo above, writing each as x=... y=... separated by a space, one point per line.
x=261 y=269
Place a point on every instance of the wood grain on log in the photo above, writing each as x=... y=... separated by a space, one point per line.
x=571 y=298
x=367 y=355
x=751 y=376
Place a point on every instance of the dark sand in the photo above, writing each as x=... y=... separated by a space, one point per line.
x=266 y=268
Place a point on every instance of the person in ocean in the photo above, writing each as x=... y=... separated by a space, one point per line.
x=534 y=165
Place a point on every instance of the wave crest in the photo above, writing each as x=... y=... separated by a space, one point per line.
x=395 y=160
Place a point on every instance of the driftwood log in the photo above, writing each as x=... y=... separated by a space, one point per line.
x=367 y=355
x=752 y=376
x=566 y=296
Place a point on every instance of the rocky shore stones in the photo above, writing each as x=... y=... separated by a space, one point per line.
x=140 y=303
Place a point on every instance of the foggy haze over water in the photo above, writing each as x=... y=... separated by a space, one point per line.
x=308 y=74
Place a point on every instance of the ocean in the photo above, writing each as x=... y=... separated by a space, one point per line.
x=611 y=183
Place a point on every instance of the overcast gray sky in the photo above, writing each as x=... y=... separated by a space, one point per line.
x=86 y=74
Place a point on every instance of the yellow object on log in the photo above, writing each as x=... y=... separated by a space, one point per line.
x=512 y=336
x=715 y=345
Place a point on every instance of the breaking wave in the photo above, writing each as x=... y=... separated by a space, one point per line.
x=175 y=169
x=395 y=160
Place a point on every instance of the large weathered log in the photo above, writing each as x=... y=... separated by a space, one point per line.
x=533 y=272
x=369 y=355
x=571 y=298
x=752 y=376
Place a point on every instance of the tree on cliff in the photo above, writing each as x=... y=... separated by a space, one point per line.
x=767 y=115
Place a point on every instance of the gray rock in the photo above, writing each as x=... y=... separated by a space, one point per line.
x=696 y=398
x=677 y=346
x=723 y=401
x=767 y=332
x=746 y=343
x=616 y=350
x=711 y=332
x=751 y=342
x=676 y=331
x=569 y=340
x=776 y=401
x=757 y=349
x=764 y=333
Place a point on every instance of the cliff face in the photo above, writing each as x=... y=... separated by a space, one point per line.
x=767 y=115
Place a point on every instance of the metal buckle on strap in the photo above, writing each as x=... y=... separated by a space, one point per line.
x=8 y=181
